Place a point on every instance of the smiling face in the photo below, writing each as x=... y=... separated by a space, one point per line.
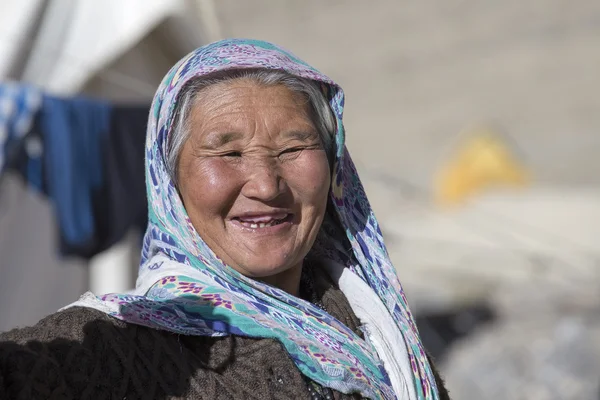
x=254 y=178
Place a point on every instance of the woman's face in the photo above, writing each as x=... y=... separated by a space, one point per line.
x=254 y=176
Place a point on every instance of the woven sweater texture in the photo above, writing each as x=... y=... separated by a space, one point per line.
x=82 y=353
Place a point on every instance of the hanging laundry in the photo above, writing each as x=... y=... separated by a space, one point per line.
x=94 y=164
x=19 y=105
x=120 y=204
x=73 y=129
x=85 y=155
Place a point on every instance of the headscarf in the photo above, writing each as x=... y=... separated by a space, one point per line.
x=183 y=287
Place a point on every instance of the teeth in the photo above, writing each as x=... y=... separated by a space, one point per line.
x=256 y=225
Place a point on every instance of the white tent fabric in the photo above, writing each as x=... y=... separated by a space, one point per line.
x=112 y=49
x=17 y=19
x=62 y=44
x=100 y=31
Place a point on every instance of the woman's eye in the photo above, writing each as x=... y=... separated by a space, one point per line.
x=233 y=154
x=292 y=150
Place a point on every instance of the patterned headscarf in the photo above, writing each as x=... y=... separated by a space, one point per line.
x=184 y=287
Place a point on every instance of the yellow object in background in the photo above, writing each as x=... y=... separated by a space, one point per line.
x=484 y=161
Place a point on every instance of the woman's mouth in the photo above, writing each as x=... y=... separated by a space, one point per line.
x=261 y=222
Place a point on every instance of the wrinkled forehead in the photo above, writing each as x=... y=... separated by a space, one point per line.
x=222 y=56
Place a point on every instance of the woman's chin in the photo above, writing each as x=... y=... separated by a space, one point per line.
x=261 y=270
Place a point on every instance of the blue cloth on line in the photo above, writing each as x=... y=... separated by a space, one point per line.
x=19 y=105
x=73 y=131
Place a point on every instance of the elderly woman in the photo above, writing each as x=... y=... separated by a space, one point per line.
x=263 y=274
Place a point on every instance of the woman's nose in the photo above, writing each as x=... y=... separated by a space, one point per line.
x=264 y=181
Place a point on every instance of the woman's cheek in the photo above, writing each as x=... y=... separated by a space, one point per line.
x=310 y=173
x=213 y=180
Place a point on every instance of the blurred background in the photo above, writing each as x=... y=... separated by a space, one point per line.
x=475 y=127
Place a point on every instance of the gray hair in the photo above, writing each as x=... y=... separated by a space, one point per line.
x=320 y=112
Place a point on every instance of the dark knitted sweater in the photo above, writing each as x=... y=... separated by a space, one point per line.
x=82 y=353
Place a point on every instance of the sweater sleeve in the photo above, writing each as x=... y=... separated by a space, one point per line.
x=32 y=359
x=67 y=324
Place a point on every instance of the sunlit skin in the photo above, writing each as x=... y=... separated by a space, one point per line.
x=254 y=156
